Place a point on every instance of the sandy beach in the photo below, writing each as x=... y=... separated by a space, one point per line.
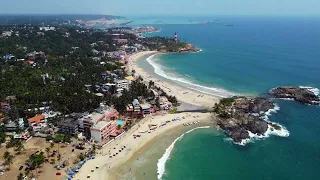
x=182 y=93
x=106 y=163
x=132 y=144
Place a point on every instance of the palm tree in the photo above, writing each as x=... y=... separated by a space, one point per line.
x=51 y=145
x=9 y=160
x=217 y=108
x=94 y=149
x=48 y=151
x=20 y=176
x=6 y=155
x=19 y=147
x=59 y=158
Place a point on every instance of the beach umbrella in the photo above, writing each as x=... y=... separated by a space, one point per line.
x=58 y=173
x=97 y=167
x=88 y=176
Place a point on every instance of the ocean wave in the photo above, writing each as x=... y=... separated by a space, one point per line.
x=162 y=161
x=312 y=89
x=283 y=132
x=191 y=85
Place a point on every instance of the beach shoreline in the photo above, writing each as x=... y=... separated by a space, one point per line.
x=132 y=145
x=109 y=158
x=183 y=94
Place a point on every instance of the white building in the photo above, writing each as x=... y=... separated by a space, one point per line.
x=47 y=28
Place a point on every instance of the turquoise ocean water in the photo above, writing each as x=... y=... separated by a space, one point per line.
x=250 y=57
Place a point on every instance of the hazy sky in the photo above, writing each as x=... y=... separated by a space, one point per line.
x=163 y=7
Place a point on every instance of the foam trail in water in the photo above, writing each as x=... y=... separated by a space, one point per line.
x=162 y=161
x=204 y=89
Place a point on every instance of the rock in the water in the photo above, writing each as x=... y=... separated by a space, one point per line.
x=244 y=115
x=299 y=94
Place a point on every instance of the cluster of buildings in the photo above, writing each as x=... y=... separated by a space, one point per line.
x=100 y=126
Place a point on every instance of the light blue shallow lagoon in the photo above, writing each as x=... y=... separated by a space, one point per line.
x=248 y=58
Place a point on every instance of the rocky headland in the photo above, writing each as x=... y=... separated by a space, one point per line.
x=179 y=48
x=244 y=117
x=304 y=95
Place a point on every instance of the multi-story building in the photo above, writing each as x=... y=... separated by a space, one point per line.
x=103 y=113
x=68 y=126
x=37 y=122
x=104 y=131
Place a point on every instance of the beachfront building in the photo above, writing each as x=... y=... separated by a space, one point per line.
x=104 y=131
x=145 y=108
x=37 y=122
x=103 y=113
x=134 y=109
x=68 y=126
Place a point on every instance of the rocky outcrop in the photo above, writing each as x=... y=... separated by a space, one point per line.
x=304 y=95
x=189 y=48
x=244 y=115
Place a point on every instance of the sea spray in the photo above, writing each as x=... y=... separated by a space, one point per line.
x=283 y=132
x=184 y=82
x=312 y=89
x=162 y=161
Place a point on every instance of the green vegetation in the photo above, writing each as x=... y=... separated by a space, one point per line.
x=165 y=43
x=2 y=134
x=36 y=160
x=20 y=176
x=223 y=106
x=8 y=158
x=62 y=138
x=172 y=111
x=81 y=157
x=227 y=101
x=58 y=74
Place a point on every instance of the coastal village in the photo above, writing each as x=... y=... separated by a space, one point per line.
x=53 y=132
x=74 y=103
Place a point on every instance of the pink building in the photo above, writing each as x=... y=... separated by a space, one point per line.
x=111 y=114
x=104 y=131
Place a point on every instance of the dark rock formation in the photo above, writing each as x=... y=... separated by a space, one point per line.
x=246 y=114
x=299 y=94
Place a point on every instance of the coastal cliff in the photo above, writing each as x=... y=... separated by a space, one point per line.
x=304 y=95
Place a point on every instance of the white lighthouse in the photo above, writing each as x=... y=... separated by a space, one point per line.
x=176 y=37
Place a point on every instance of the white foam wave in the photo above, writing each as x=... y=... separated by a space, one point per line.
x=283 y=132
x=162 y=161
x=288 y=99
x=312 y=89
x=191 y=85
